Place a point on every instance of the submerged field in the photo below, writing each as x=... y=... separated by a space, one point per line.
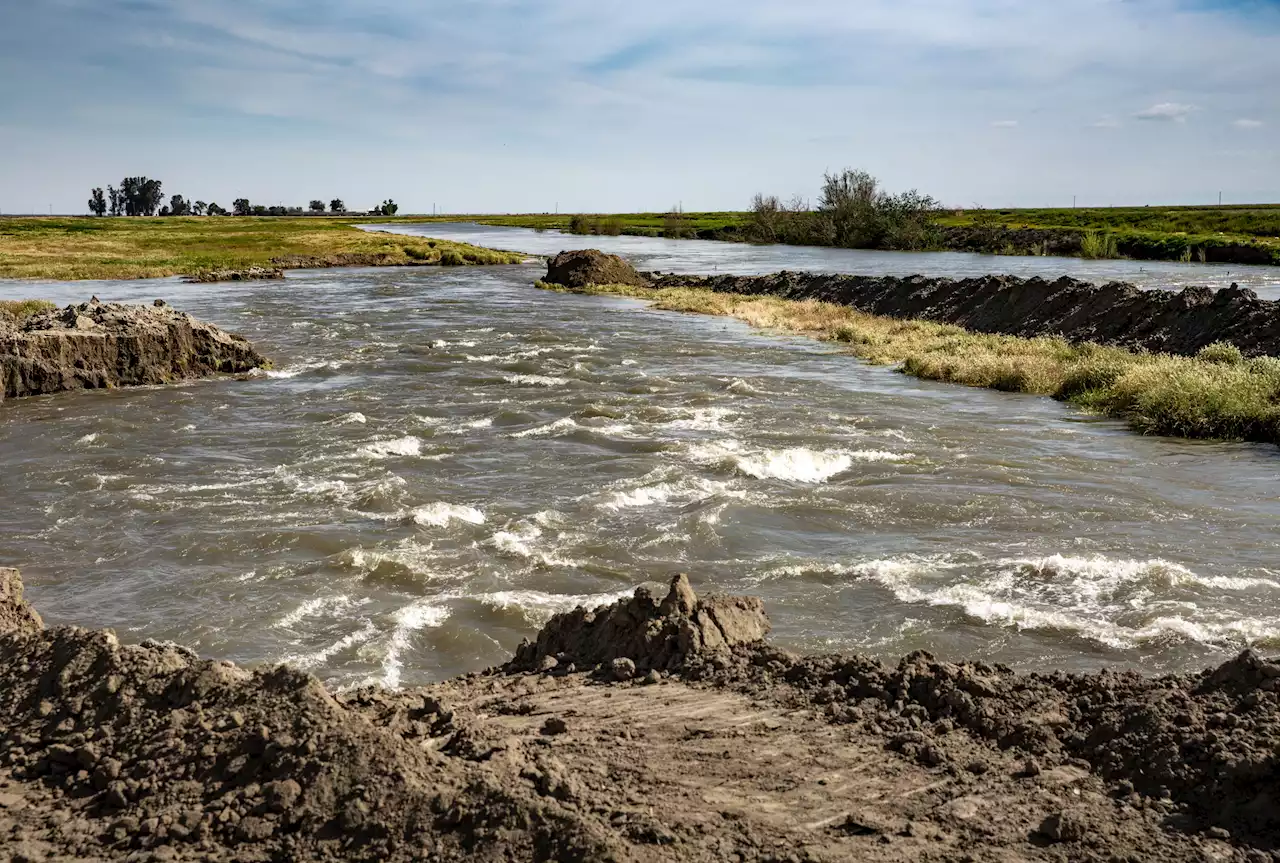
x=137 y=248
x=1217 y=394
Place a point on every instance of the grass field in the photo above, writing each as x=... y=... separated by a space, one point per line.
x=136 y=248
x=1215 y=395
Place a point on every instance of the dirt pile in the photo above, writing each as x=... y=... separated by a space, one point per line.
x=642 y=634
x=250 y=274
x=1118 y=313
x=649 y=731
x=591 y=267
x=94 y=345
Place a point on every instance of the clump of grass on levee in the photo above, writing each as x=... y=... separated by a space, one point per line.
x=1217 y=394
x=16 y=311
x=139 y=248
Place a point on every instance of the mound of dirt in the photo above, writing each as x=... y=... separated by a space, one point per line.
x=95 y=345
x=646 y=731
x=591 y=267
x=250 y=274
x=1117 y=313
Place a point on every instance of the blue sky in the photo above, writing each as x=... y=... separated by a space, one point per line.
x=601 y=105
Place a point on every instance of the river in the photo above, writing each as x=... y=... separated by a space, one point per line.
x=442 y=458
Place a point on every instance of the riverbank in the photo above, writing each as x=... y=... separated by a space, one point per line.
x=647 y=731
x=67 y=249
x=1215 y=394
x=1234 y=234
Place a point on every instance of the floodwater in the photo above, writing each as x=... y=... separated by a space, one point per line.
x=710 y=257
x=442 y=458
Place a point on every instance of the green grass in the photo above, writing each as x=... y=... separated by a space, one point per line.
x=136 y=248
x=1216 y=394
x=1232 y=234
x=15 y=311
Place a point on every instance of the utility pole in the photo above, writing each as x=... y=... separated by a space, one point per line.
x=1219 y=199
x=1073 y=202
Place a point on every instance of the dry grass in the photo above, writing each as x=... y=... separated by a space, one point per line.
x=15 y=311
x=137 y=248
x=1217 y=394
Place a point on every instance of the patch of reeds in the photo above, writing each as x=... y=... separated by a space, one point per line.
x=1218 y=394
x=1099 y=244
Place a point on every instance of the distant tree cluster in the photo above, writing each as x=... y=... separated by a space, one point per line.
x=853 y=212
x=140 y=196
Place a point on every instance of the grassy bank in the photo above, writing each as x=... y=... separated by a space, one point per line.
x=1231 y=234
x=137 y=248
x=15 y=311
x=1215 y=395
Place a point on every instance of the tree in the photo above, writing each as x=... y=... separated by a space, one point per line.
x=242 y=207
x=388 y=208
x=259 y=210
x=142 y=196
x=178 y=206
x=97 y=203
x=199 y=208
x=336 y=206
x=317 y=206
x=117 y=201
x=214 y=210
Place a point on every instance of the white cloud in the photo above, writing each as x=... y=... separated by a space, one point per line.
x=1005 y=124
x=1166 y=112
x=1105 y=122
x=1245 y=123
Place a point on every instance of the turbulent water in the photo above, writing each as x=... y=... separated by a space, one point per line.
x=444 y=458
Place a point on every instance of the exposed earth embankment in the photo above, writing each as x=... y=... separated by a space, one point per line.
x=649 y=730
x=1118 y=313
x=95 y=345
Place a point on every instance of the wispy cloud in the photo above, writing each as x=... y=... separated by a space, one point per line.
x=1245 y=123
x=1167 y=112
x=518 y=104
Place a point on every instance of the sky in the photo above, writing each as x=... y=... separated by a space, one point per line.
x=495 y=106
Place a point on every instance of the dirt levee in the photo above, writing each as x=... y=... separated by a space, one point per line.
x=1117 y=313
x=94 y=345
x=650 y=730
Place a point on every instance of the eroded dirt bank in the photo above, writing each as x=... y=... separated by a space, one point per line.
x=651 y=730
x=1118 y=313
x=95 y=345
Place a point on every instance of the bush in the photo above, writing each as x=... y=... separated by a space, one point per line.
x=1223 y=353
x=451 y=258
x=579 y=225
x=417 y=254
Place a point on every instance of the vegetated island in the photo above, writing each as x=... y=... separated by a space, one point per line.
x=1194 y=364
x=662 y=728
x=854 y=211
x=207 y=248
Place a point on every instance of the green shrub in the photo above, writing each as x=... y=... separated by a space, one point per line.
x=416 y=254
x=451 y=258
x=1223 y=353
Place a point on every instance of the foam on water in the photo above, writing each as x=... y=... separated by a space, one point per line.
x=550 y=429
x=88 y=439
x=320 y=606
x=353 y=417
x=538 y=607
x=367 y=632
x=380 y=449
x=296 y=369
x=440 y=514
x=422 y=614
x=536 y=380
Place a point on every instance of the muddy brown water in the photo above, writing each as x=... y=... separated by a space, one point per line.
x=444 y=458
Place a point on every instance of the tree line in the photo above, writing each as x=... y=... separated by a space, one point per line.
x=142 y=196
